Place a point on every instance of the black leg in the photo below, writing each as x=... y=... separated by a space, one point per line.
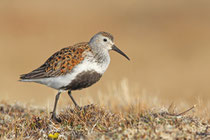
x=54 y=109
x=76 y=105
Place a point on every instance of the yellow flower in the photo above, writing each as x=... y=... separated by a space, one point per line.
x=54 y=136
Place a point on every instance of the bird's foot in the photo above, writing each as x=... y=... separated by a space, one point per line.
x=54 y=118
x=78 y=107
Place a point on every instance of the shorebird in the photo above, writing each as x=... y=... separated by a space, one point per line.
x=75 y=67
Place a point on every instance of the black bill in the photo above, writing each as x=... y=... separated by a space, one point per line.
x=119 y=51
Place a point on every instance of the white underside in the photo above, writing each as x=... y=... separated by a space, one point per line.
x=62 y=81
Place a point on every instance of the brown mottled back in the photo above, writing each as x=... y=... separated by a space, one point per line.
x=60 y=63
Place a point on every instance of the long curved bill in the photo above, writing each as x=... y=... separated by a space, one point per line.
x=119 y=51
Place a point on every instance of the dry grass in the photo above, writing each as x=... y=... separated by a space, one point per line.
x=118 y=115
x=95 y=122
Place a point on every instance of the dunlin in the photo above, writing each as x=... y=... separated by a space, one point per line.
x=75 y=67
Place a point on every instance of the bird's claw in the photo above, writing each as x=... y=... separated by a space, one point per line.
x=54 y=118
x=78 y=107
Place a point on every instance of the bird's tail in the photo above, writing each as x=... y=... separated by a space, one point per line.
x=32 y=76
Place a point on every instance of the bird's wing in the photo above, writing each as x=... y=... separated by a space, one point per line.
x=60 y=63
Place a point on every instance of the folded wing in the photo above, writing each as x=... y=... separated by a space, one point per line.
x=60 y=63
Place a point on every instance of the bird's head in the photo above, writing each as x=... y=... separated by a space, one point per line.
x=105 y=41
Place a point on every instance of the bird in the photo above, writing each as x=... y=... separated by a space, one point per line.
x=75 y=67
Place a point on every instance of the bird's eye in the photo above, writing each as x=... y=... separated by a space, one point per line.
x=105 y=40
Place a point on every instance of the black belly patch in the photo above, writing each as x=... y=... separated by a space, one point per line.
x=83 y=80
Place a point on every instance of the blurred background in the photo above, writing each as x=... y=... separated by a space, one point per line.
x=168 y=43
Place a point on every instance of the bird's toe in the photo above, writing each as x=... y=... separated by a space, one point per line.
x=54 y=118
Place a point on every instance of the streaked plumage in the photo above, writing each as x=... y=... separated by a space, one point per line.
x=75 y=67
x=60 y=63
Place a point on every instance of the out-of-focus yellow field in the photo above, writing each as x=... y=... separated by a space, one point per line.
x=168 y=43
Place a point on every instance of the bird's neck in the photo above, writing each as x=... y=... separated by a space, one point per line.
x=101 y=58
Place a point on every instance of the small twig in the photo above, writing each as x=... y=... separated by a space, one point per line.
x=171 y=108
x=203 y=134
x=206 y=133
x=182 y=113
x=94 y=126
